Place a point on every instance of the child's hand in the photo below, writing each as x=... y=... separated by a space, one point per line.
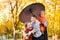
x=32 y=32
x=26 y=37
x=29 y=33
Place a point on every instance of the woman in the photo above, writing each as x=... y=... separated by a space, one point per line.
x=43 y=25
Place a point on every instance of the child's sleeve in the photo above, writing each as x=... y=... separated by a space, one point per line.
x=36 y=28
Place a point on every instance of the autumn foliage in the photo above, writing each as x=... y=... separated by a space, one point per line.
x=6 y=16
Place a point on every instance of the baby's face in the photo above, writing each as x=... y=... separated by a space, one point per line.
x=28 y=25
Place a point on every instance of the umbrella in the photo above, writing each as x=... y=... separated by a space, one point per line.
x=32 y=9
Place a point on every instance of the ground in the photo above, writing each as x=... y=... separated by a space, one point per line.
x=48 y=39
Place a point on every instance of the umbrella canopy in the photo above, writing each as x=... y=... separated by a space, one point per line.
x=27 y=12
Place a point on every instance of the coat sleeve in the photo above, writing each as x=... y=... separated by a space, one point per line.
x=46 y=23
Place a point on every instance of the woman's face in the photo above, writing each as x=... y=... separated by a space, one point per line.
x=42 y=13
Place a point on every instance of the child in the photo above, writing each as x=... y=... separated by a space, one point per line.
x=27 y=31
x=36 y=31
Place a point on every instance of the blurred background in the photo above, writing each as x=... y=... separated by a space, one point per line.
x=10 y=26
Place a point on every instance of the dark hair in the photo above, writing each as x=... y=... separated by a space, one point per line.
x=34 y=16
x=25 y=25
